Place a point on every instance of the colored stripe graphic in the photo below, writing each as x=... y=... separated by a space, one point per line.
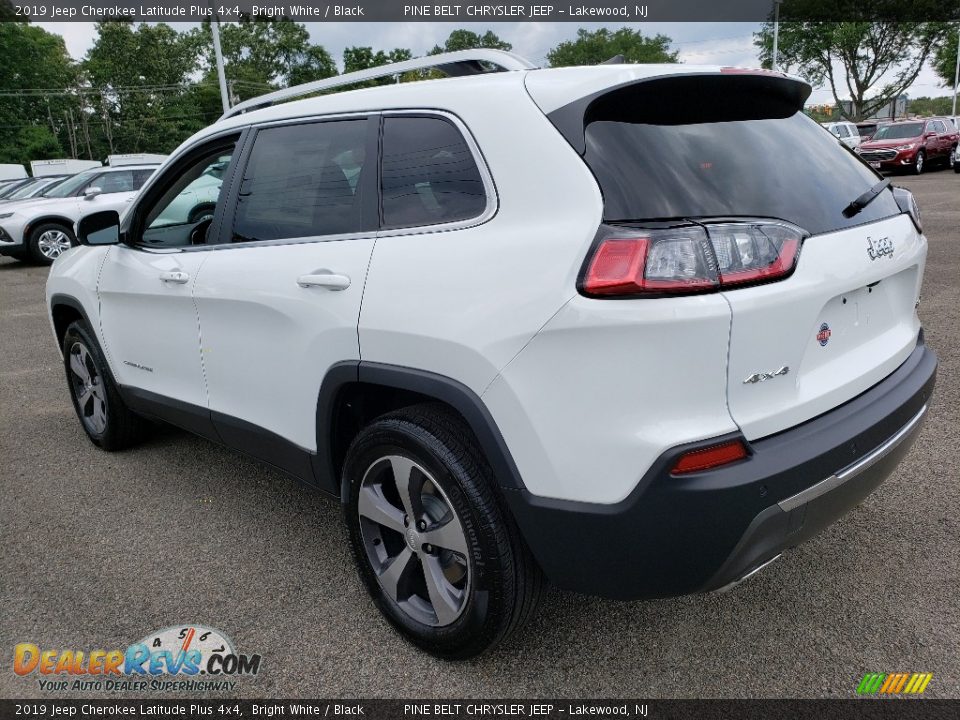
x=894 y=683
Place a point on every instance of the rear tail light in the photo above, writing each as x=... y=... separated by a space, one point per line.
x=690 y=258
x=710 y=457
x=908 y=204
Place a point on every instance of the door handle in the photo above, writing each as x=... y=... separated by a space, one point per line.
x=177 y=276
x=326 y=279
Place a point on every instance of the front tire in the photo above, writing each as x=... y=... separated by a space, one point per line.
x=49 y=241
x=920 y=163
x=436 y=549
x=105 y=418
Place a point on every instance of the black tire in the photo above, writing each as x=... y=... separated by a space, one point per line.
x=920 y=163
x=955 y=160
x=200 y=212
x=38 y=242
x=503 y=583
x=121 y=427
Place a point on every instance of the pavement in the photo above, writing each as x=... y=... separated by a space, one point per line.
x=100 y=549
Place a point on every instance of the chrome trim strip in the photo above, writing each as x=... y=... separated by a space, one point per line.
x=743 y=578
x=851 y=471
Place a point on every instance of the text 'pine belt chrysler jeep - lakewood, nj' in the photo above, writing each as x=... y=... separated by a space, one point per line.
x=566 y=325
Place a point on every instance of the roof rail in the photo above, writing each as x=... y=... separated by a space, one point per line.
x=462 y=62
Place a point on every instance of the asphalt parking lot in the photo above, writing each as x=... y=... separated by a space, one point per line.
x=99 y=549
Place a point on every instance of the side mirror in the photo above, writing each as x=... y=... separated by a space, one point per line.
x=91 y=193
x=101 y=228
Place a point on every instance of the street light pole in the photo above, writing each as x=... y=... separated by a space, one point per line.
x=776 y=33
x=224 y=96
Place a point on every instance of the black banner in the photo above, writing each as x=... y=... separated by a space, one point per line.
x=481 y=12
x=860 y=709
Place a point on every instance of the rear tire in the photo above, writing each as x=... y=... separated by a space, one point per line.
x=434 y=545
x=108 y=422
x=955 y=160
x=48 y=242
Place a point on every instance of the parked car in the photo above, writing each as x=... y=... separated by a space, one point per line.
x=11 y=187
x=42 y=228
x=608 y=348
x=847 y=132
x=31 y=189
x=867 y=128
x=911 y=144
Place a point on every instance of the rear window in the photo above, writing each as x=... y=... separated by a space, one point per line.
x=722 y=156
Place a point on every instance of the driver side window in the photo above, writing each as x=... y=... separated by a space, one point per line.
x=184 y=212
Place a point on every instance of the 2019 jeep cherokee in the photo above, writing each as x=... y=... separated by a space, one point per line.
x=525 y=325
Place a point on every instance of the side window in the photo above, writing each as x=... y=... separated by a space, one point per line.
x=930 y=127
x=182 y=215
x=140 y=177
x=303 y=181
x=115 y=182
x=428 y=174
x=938 y=126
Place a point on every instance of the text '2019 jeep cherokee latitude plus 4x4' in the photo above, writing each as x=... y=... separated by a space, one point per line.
x=525 y=324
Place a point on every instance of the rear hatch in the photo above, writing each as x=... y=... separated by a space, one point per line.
x=736 y=148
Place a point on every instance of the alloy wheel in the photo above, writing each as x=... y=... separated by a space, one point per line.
x=53 y=243
x=88 y=389
x=414 y=541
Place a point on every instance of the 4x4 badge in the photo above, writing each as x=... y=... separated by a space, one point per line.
x=761 y=376
x=878 y=248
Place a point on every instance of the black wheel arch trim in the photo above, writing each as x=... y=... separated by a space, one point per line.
x=48 y=219
x=440 y=387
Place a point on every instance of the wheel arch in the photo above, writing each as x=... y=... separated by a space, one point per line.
x=354 y=393
x=65 y=309
x=46 y=219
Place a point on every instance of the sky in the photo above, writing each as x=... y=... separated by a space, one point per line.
x=697 y=43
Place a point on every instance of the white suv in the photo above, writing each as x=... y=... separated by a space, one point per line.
x=41 y=228
x=566 y=324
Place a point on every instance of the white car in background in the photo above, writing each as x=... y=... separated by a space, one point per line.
x=847 y=132
x=42 y=229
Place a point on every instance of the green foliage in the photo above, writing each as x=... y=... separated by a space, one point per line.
x=925 y=106
x=598 y=46
x=945 y=55
x=33 y=142
x=32 y=59
x=469 y=40
x=364 y=58
x=867 y=52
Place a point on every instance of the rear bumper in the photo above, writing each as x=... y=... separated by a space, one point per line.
x=703 y=531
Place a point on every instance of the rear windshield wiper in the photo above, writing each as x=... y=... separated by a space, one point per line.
x=868 y=197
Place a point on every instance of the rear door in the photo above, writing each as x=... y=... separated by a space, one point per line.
x=279 y=299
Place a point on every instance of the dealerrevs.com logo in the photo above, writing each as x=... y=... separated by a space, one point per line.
x=174 y=658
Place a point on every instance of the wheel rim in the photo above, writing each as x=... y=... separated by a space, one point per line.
x=920 y=162
x=414 y=541
x=53 y=243
x=88 y=389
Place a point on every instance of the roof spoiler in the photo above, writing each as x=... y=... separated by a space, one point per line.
x=674 y=99
x=454 y=64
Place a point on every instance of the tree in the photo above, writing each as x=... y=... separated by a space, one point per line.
x=598 y=46
x=268 y=52
x=469 y=40
x=877 y=61
x=141 y=78
x=364 y=58
x=945 y=55
x=35 y=76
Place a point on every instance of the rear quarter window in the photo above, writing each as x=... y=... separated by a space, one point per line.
x=428 y=174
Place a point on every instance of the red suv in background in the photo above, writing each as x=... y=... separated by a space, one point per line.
x=911 y=144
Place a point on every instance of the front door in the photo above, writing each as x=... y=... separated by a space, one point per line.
x=279 y=300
